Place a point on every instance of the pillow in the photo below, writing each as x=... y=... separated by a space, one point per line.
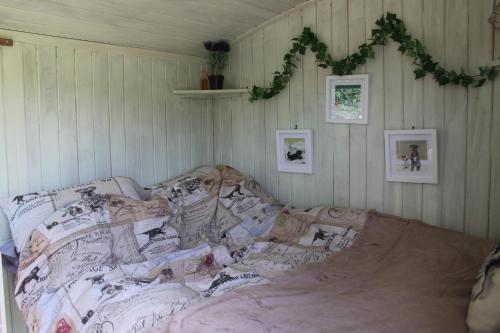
x=5 y=236
x=327 y=226
x=484 y=309
x=26 y=211
x=211 y=204
x=7 y=248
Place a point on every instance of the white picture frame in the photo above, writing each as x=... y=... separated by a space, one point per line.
x=354 y=111
x=411 y=156
x=294 y=151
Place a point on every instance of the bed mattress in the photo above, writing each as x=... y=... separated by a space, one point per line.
x=400 y=276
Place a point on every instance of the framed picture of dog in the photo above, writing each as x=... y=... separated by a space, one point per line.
x=294 y=150
x=411 y=156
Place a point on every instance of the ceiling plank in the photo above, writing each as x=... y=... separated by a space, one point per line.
x=177 y=26
x=65 y=12
x=140 y=12
x=42 y=24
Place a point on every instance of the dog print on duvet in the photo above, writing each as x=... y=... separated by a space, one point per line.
x=108 y=263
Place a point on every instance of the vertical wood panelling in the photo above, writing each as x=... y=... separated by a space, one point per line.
x=84 y=115
x=375 y=172
x=349 y=159
x=160 y=120
x=393 y=93
x=184 y=152
x=323 y=138
x=310 y=93
x=223 y=131
x=4 y=183
x=207 y=129
x=101 y=114
x=172 y=121
x=77 y=113
x=455 y=130
x=68 y=154
x=146 y=120
x=412 y=105
x=237 y=133
x=31 y=100
x=357 y=133
x=494 y=217
x=49 y=123
x=433 y=105
x=15 y=130
x=258 y=116
x=295 y=25
x=132 y=117
x=340 y=142
x=117 y=114
x=283 y=100
x=195 y=112
x=226 y=131
x=247 y=135
x=478 y=123
x=218 y=139
x=271 y=111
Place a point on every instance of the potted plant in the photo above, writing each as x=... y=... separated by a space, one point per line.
x=218 y=52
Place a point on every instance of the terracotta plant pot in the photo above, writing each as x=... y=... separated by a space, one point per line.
x=216 y=82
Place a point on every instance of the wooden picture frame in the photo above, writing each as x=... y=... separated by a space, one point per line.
x=411 y=156
x=294 y=151
x=347 y=99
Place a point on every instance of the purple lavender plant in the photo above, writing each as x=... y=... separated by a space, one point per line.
x=218 y=52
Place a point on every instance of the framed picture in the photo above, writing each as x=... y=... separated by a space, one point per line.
x=411 y=156
x=347 y=99
x=294 y=150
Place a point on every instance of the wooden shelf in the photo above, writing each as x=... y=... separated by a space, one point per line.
x=211 y=93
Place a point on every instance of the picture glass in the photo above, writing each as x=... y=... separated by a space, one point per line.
x=411 y=156
x=348 y=98
x=295 y=151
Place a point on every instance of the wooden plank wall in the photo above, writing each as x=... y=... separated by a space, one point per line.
x=349 y=159
x=71 y=112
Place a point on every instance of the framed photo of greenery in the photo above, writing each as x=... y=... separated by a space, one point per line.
x=347 y=99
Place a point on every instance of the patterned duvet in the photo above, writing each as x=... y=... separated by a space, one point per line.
x=110 y=263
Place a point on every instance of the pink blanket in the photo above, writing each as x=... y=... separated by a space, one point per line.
x=400 y=276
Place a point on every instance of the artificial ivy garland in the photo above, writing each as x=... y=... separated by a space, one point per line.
x=389 y=26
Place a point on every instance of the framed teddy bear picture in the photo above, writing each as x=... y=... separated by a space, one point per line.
x=411 y=156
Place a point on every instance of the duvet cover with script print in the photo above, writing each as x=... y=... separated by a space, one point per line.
x=110 y=263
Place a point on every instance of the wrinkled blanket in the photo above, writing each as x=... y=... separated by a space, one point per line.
x=399 y=276
x=109 y=263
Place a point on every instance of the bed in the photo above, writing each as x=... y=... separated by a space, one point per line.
x=399 y=276
x=211 y=250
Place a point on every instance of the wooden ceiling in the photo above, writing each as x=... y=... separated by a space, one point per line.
x=177 y=26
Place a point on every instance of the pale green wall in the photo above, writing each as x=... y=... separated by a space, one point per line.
x=349 y=159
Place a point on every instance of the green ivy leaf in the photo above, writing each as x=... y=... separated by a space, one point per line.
x=492 y=74
x=479 y=83
x=419 y=73
x=388 y=26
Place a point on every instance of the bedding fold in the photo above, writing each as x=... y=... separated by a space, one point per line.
x=399 y=276
x=111 y=263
